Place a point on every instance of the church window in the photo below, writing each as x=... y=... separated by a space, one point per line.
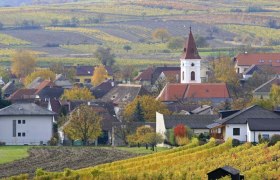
x=192 y=64
x=192 y=76
x=183 y=75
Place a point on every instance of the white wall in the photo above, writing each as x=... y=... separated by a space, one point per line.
x=187 y=69
x=36 y=128
x=160 y=126
x=243 y=131
x=253 y=135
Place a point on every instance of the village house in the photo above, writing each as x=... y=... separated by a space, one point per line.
x=85 y=73
x=246 y=125
x=262 y=92
x=245 y=60
x=261 y=69
x=26 y=124
x=191 y=87
x=123 y=94
x=198 y=123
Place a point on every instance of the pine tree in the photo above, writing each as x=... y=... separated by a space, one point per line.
x=138 y=113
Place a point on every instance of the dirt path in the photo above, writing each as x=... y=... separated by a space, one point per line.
x=58 y=158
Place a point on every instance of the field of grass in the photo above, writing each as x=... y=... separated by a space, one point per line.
x=192 y=161
x=12 y=153
x=10 y=40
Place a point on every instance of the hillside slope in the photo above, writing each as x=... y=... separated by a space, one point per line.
x=188 y=162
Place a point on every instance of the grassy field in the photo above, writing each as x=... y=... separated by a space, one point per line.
x=12 y=153
x=116 y=23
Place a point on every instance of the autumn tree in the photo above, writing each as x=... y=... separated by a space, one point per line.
x=23 y=63
x=161 y=34
x=77 y=94
x=100 y=75
x=84 y=124
x=149 y=105
x=274 y=95
x=182 y=134
x=104 y=56
x=44 y=73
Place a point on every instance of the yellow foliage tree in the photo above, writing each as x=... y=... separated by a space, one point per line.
x=149 y=106
x=23 y=63
x=161 y=34
x=45 y=74
x=224 y=71
x=100 y=74
x=274 y=95
x=83 y=124
x=77 y=94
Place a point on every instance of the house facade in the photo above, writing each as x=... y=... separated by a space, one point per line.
x=244 y=61
x=242 y=124
x=262 y=92
x=26 y=124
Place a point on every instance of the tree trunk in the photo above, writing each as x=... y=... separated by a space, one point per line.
x=146 y=146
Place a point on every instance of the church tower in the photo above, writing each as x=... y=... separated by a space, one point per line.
x=190 y=62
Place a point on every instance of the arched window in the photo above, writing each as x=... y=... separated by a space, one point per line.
x=192 y=76
x=183 y=75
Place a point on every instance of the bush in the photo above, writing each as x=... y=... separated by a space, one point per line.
x=274 y=139
x=39 y=172
x=53 y=141
x=2 y=143
x=235 y=142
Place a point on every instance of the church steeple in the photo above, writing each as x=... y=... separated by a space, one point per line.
x=190 y=62
x=190 y=50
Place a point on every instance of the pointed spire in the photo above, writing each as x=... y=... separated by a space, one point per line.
x=190 y=50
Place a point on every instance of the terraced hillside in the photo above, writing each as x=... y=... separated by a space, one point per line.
x=189 y=162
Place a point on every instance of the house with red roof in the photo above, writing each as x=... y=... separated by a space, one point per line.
x=190 y=87
x=245 y=60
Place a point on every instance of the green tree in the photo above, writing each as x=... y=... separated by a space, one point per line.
x=138 y=114
x=104 y=56
x=161 y=34
x=175 y=43
x=127 y=48
x=23 y=63
x=201 y=41
x=84 y=124
x=4 y=74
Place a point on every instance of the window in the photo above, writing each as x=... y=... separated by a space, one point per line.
x=183 y=75
x=19 y=134
x=19 y=122
x=265 y=136
x=23 y=134
x=77 y=80
x=23 y=121
x=236 y=131
x=192 y=64
x=192 y=76
x=87 y=81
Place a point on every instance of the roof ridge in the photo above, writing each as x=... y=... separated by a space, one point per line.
x=276 y=77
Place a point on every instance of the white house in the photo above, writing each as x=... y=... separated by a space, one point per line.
x=197 y=122
x=245 y=125
x=26 y=124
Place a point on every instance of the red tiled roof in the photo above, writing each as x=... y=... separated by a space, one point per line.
x=172 y=92
x=146 y=75
x=175 y=92
x=190 y=50
x=258 y=58
x=207 y=90
x=22 y=94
